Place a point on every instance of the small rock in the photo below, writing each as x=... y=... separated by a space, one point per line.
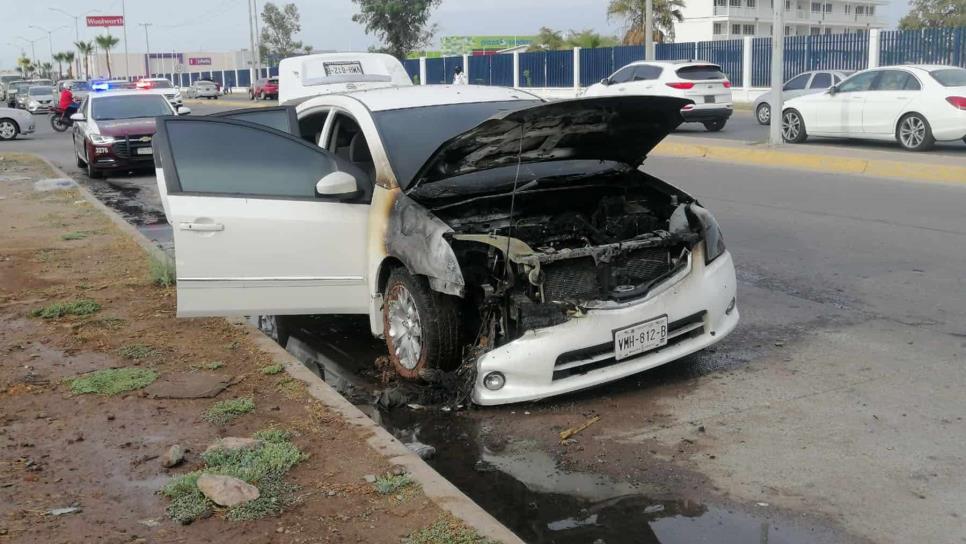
x=371 y=478
x=63 y=511
x=232 y=443
x=173 y=456
x=398 y=470
x=150 y=522
x=701 y=429
x=226 y=490
x=280 y=530
x=331 y=493
x=110 y=417
x=424 y=451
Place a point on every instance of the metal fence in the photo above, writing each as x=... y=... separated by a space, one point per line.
x=927 y=46
x=803 y=53
x=725 y=53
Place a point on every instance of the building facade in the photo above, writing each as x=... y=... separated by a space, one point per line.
x=706 y=20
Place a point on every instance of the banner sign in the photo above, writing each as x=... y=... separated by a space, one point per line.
x=199 y=61
x=105 y=20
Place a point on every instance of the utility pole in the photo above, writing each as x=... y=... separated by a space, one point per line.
x=147 y=46
x=127 y=67
x=777 y=68
x=258 y=38
x=50 y=40
x=251 y=37
x=76 y=18
x=649 y=30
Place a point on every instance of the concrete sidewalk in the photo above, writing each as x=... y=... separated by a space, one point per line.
x=934 y=167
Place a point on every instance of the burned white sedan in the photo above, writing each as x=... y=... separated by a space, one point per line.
x=478 y=227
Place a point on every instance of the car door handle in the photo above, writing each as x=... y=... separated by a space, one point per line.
x=202 y=227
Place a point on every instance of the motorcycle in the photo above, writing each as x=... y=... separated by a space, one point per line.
x=59 y=121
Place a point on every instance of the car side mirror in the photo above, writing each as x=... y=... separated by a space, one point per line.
x=605 y=82
x=832 y=90
x=77 y=117
x=337 y=184
x=182 y=110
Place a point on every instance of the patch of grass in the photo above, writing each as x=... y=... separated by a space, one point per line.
x=162 y=272
x=390 y=483
x=221 y=413
x=137 y=352
x=288 y=387
x=80 y=307
x=112 y=381
x=76 y=235
x=263 y=466
x=447 y=530
x=213 y=365
x=271 y=370
x=109 y=323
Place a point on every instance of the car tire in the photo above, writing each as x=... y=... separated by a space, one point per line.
x=80 y=162
x=275 y=327
x=763 y=114
x=421 y=326
x=92 y=172
x=793 y=127
x=8 y=129
x=715 y=126
x=261 y=96
x=914 y=133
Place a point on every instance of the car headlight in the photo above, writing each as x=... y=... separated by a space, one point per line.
x=713 y=239
x=34 y=104
x=98 y=139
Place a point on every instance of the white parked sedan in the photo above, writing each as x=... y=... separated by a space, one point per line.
x=916 y=105
x=703 y=83
x=14 y=122
x=479 y=228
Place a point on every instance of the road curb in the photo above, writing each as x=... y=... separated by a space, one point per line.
x=437 y=488
x=763 y=156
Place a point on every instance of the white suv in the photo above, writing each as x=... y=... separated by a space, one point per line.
x=703 y=83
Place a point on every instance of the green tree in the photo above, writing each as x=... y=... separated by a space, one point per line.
x=85 y=49
x=277 y=40
x=59 y=59
x=934 y=13
x=665 y=14
x=401 y=25
x=25 y=66
x=68 y=58
x=47 y=70
x=106 y=43
x=589 y=39
x=547 y=39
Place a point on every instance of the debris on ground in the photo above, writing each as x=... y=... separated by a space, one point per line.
x=424 y=451
x=189 y=385
x=63 y=511
x=54 y=184
x=567 y=433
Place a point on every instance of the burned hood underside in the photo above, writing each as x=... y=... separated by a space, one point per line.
x=618 y=129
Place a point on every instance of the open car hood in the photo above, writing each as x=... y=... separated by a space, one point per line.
x=622 y=129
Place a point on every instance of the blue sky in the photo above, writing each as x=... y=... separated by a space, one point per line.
x=221 y=25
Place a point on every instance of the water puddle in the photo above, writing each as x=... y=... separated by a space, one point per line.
x=522 y=485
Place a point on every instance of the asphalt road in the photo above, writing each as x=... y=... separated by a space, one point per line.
x=834 y=410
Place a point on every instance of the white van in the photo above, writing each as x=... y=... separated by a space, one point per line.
x=313 y=75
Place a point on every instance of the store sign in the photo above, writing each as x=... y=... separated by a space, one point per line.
x=199 y=61
x=105 y=20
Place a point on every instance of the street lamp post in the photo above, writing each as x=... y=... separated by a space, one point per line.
x=50 y=40
x=76 y=19
x=147 y=46
x=33 y=50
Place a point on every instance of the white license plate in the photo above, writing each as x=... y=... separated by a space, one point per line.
x=342 y=68
x=639 y=338
x=709 y=99
x=145 y=151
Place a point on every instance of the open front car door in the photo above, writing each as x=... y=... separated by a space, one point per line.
x=264 y=222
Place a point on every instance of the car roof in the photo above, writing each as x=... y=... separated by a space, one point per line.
x=416 y=96
x=675 y=63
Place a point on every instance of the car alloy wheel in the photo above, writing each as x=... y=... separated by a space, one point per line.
x=914 y=133
x=764 y=114
x=8 y=129
x=793 y=128
x=405 y=327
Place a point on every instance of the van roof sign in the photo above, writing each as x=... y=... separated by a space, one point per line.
x=313 y=75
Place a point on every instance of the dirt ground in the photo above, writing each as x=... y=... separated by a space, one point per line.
x=101 y=453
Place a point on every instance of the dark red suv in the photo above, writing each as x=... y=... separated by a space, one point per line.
x=264 y=89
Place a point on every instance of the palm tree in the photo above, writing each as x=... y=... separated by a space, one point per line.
x=24 y=65
x=68 y=57
x=665 y=14
x=59 y=59
x=47 y=69
x=106 y=43
x=85 y=49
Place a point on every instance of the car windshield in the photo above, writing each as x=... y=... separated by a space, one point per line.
x=411 y=135
x=40 y=91
x=80 y=86
x=19 y=87
x=273 y=81
x=107 y=108
x=950 y=77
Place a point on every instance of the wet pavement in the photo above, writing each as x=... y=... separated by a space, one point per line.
x=840 y=387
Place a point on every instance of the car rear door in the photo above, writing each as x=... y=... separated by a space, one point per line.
x=888 y=97
x=251 y=234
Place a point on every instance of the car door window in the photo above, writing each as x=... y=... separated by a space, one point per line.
x=349 y=143
x=858 y=83
x=623 y=75
x=895 y=80
x=646 y=72
x=822 y=80
x=236 y=158
x=283 y=118
x=797 y=83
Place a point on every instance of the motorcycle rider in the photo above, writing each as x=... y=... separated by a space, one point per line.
x=67 y=106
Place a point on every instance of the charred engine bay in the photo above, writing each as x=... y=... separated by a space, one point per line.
x=567 y=245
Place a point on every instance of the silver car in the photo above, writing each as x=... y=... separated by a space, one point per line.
x=39 y=99
x=816 y=81
x=203 y=89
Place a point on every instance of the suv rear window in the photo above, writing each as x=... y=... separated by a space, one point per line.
x=273 y=81
x=704 y=71
x=950 y=77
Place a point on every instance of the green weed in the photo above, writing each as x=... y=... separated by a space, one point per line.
x=221 y=413
x=390 y=483
x=447 y=531
x=162 y=272
x=81 y=307
x=112 y=381
x=137 y=352
x=271 y=370
x=76 y=235
x=213 y=365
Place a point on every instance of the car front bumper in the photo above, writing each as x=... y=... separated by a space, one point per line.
x=702 y=113
x=700 y=306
